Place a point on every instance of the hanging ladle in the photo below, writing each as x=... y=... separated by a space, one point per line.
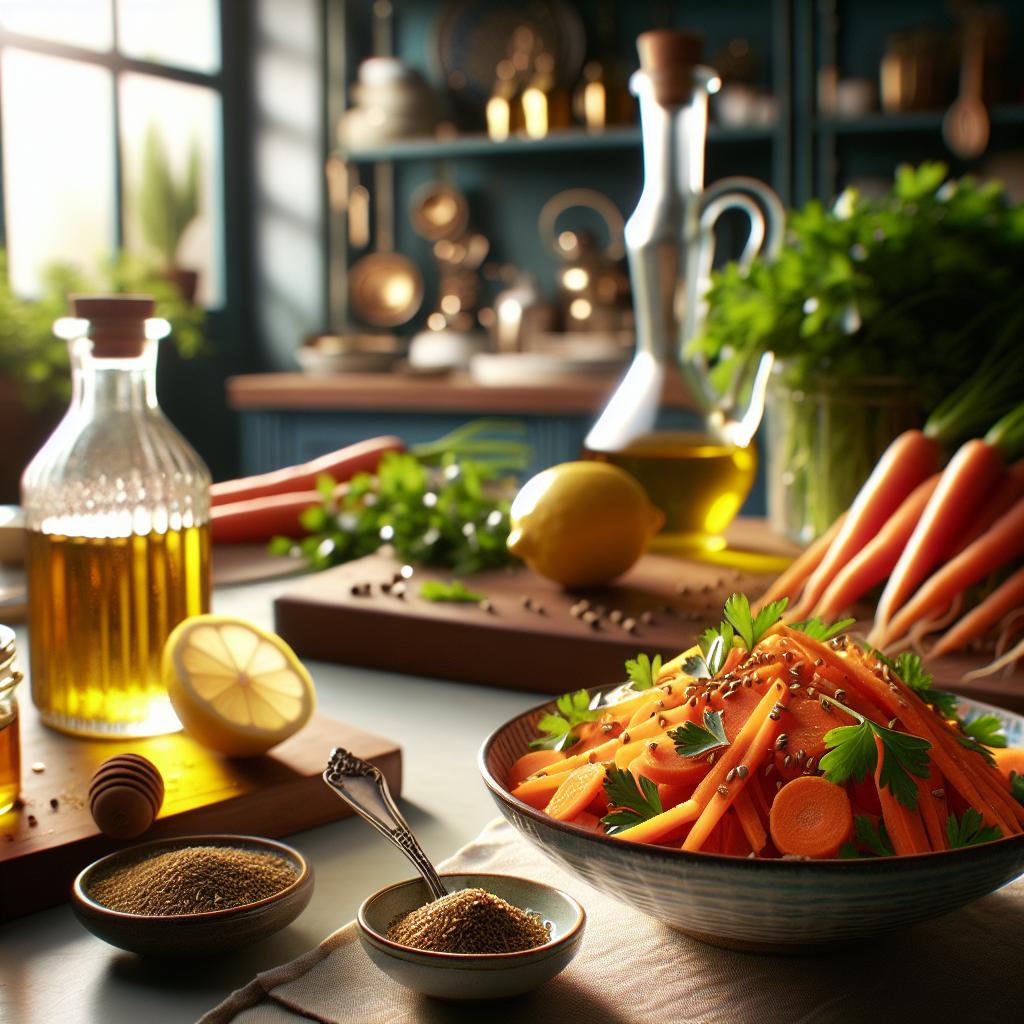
x=363 y=787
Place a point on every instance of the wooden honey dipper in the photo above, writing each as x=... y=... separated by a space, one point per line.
x=125 y=794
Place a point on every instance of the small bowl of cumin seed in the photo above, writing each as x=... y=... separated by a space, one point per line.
x=491 y=937
x=192 y=895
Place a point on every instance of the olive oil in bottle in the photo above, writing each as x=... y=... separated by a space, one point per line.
x=117 y=509
x=101 y=609
x=697 y=481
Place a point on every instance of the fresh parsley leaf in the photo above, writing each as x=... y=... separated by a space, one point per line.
x=697 y=667
x=875 y=838
x=970 y=830
x=816 y=629
x=574 y=709
x=1017 y=787
x=751 y=628
x=692 y=740
x=852 y=754
x=456 y=591
x=987 y=729
x=714 y=645
x=915 y=677
x=643 y=671
x=630 y=800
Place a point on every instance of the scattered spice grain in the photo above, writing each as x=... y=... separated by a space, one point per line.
x=192 y=880
x=470 y=921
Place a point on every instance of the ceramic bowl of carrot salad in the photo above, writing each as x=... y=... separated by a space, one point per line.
x=778 y=786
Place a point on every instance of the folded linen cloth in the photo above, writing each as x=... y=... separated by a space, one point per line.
x=631 y=969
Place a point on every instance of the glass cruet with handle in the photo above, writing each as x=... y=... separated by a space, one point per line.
x=117 y=510
x=698 y=478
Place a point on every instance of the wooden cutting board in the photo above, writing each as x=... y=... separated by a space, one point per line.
x=519 y=646
x=273 y=795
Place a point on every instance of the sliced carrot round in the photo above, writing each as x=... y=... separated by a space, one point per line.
x=576 y=792
x=529 y=763
x=811 y=817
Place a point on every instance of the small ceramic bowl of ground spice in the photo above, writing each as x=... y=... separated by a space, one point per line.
x=491 y=937
x=192 y=895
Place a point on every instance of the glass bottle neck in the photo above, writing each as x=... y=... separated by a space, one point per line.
x=112 y=385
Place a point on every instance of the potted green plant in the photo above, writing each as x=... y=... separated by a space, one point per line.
x=34 y=374
x=876 y=309
x=166 y=206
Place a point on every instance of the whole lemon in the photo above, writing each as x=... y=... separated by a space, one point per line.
x=582 y=524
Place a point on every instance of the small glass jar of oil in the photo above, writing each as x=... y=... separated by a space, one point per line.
x=117 y=509
x=10 y=739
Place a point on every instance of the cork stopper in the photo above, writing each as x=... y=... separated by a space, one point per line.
x=668 y=57
x=117 y=323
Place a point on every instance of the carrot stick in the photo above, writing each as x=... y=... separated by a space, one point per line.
x=1006 y=597
x=342 y=464
x=903 y=825
x=538 y=791
x=790 y=581
x=999 y=545
x=525 y=766
x=258 y=519
x=751 y=753
x=910 y=459
x=573 y=795
x=660 y=825
x=750 y=821
x=929 y=804
x=961 y=493
x=811 y=817
x=876 y=559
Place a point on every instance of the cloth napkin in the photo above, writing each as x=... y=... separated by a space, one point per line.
x=965 y=967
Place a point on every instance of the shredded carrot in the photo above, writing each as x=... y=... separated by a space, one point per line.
x=903 y=825
x=529 y=763
x=749 y=819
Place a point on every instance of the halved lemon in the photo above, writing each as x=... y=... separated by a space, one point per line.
x=236 y=688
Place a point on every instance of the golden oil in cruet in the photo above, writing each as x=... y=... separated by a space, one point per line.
x=117 y=514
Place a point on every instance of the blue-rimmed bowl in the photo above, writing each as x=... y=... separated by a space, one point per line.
x=777 y=906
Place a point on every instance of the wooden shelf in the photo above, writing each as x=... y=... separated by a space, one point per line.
x=914 y=121
x=379 y=392
x=570 y=141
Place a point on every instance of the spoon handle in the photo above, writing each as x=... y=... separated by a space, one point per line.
x=363 y=787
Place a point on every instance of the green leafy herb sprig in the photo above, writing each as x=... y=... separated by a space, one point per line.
x=874 y=837
x=739 y=623
x=852 y=755
x=455 y=592
x=444 y=504
x=573 y=709
x=970 y=830
x=692 y=740
x=631 y=800
x=643 y=671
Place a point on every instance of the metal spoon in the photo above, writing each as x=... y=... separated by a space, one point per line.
x=966 y=124
x=363 y=787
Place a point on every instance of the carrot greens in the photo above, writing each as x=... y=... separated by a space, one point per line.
x=632 y=800
x=643 y=671
x=970 y=830
x=692 y=740
x=575 y=709
x=853 y=755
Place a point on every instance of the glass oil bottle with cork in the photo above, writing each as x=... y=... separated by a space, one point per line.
x=117 y=509
x=698 y=478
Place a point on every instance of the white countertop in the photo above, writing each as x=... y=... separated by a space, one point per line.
x=52 y=970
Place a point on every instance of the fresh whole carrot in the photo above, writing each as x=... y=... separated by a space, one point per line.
x=258 y=519
x=1006 y=494
x=876 y=559
x=966 y=483
x=789 y=582
x=909 y=460
x=981 y=618
x=1002 y=543
x=811 y=817
x=342 y=464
